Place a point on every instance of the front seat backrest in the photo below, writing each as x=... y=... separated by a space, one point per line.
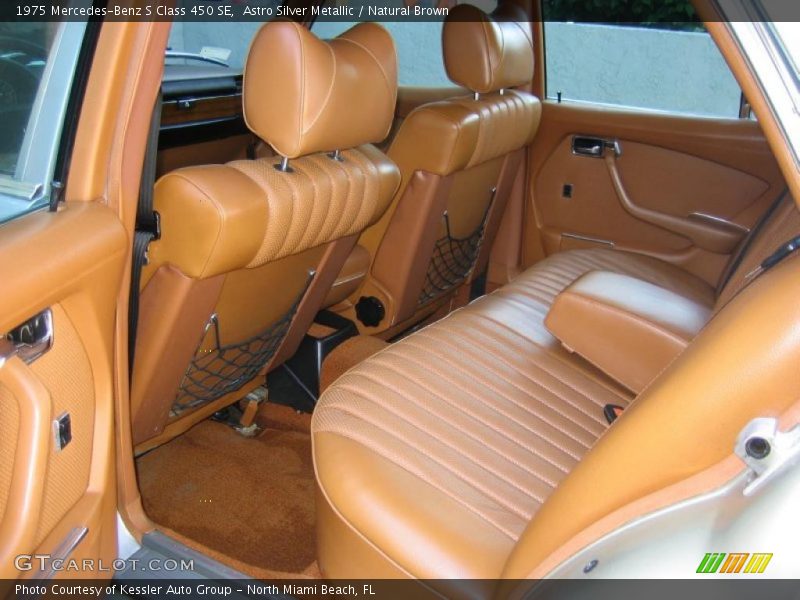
x=249 y=249
x=458 y=159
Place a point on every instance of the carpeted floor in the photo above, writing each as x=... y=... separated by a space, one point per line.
x=251 y=499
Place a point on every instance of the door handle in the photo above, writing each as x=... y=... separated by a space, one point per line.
x=29 y=340
x=594 y=147
x=705 y=231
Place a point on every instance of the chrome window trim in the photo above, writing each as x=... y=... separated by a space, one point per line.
x=27 y=191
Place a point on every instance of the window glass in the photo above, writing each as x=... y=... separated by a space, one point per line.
x=419 y=49
x=650 y=55
x=197 y=41
x=37 y=63
x=418 y=43
x=215 y=41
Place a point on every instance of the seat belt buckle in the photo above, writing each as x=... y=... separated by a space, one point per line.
x=156 y=226
x=151 y=225
x=612 y=412
x=147 y=231
x=781 y=253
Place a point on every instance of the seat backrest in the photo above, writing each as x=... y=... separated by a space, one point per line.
x=458 y=159
x=249 y=249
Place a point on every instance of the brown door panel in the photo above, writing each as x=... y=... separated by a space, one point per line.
x=684 y=189
x=59 y=501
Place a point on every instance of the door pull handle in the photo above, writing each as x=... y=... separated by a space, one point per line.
x=29 y=340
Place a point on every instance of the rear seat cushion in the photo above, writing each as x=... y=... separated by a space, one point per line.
x=436 y=452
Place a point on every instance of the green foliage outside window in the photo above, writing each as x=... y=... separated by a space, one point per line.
x=662 y=14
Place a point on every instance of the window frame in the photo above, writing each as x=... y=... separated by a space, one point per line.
x=44 y=155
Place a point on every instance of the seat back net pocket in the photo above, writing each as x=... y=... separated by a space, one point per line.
x=452 y=260
x=220 y=370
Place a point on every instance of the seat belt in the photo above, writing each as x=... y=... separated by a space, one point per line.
x=148 y=226
x=613 y=411
x=783 y=251
x=748 y=241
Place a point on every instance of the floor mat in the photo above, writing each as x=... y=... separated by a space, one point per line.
x=248 y=498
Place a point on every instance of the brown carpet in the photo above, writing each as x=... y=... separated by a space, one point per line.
x=277 y=416
x=250 y=499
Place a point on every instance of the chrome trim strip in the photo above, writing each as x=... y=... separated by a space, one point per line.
x=20 y=189
x=587 y=238
x=718 y=221
x=200 y=98
x=63 y=551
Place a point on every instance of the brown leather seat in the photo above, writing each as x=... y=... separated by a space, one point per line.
x=250 y=249
x=458 y=159
x=477 y=447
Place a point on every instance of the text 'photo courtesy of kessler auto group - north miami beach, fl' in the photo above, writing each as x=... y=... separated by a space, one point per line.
x=390 y=299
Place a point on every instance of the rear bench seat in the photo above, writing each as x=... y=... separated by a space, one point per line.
x=434 y=456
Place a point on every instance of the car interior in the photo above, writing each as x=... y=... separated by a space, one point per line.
x=387 y=331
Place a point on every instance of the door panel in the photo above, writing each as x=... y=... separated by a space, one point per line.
x=670 y=167
x=55 y=500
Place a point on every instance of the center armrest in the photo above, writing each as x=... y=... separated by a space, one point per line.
x=628 y=328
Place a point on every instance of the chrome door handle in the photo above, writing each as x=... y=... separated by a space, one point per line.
x=29 y=340
x=594 y=147
x=7 y=350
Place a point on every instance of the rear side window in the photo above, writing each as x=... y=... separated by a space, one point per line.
x=37 y=65
x=419 y=49
x=418 y=43
x=650 y=55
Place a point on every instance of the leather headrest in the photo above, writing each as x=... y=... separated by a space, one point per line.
x=486 y=53
x=304 y=95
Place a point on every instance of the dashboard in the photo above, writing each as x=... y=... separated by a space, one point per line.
x=200 y=103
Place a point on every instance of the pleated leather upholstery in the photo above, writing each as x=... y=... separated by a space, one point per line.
x=321 y=199
x=469 y=424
